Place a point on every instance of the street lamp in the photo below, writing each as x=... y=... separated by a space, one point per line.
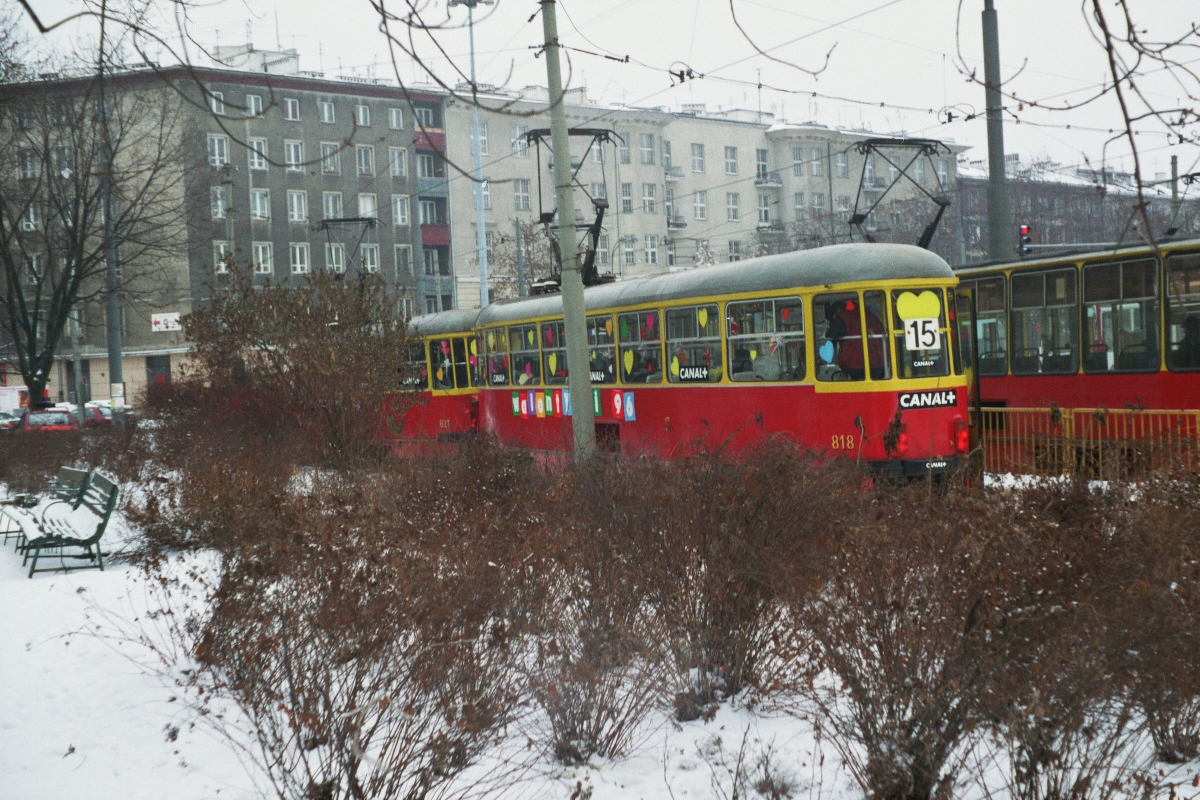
x=477 y=147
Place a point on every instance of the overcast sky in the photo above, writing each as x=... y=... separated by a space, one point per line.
x=904 y=54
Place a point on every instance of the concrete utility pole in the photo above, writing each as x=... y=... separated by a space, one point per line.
x=477 y=148
x=1172 y=227
x=520 y=261
x=1000 y=228
x=579 y=378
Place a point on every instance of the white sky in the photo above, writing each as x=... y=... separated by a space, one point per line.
x=900 y=52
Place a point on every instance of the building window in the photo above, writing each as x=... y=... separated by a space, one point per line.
x=520 y=146
x=364 y=157
x=596 y=153
x=260 y=204
x=597 y=190
x=943 y=172
x=735 y=250
x=220 y=201
x=623 y=151
x=798 y=205
x=400 y=210
x=487 y=244
x=646 y=148
x=216 y=102
x=362 y=115
x=732 y=201
x=869 y=169
x=652 y=248
x=669 y=203
x=33 y=269
x=731 y=161
x=602 y=250
x=666 y=153
x=697 y=157
x=218 y=151
x=424 y=116
x=258 y=154
x=893 y=173
x=293 y=156
x=815 y=159
x=297 y=205
x=649 y=204
x=700 y=205
x=818 y=203
x=396 y=119
x=426 y=167
x=331 y=205
x=760 y=164
x=626 y=198
x=298 y=256
x=798 y=161
x=428 y=211
x=403 y=253
x=398 y=159
x=628 y=245
x=264 y=260
x=291 y=108
x=28 y=163
x=919 y=172
x=331 y=158
x=254 y=105
x=335 y=256
x=840 y=165
x=432 y=262
x=368 y=207
x=327 y=112
x=370 y=257
x=221 y=255
x=764 y=208
x=843 y=202
x=483 y=138
x=521 y=194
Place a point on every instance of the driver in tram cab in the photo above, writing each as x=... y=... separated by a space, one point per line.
x=845 y=331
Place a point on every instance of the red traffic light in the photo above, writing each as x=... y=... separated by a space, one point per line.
x=1024 y=230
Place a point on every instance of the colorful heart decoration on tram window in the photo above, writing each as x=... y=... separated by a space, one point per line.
x=439 y=374
x=552 y=361
x=753 y=354
x=650 y=322
x=474 y=350
x=608 y=326
x=549 y=336
x=529 y=368
x=473 y=361
x=702 y=317
x=918 y=306
x=675 y=366
x=593 y=355
x=787 y=312
x=491 y=340
x=624 y=329
x=529 y=336
x=446 y=346
x=628 y=361
x=826 y=352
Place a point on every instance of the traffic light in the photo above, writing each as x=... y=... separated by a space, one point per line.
x=1026 y=245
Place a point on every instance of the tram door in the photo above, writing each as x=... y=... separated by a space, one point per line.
x=968 y=347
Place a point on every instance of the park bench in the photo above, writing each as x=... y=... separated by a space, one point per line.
x=67 y=533
x=68 y=487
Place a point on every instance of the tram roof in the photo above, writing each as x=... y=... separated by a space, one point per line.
x=822 y=266
x=1076 y=254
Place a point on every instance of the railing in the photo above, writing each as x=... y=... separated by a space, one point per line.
x=1090 y=442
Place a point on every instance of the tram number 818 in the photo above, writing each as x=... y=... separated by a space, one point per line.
x=843 y=441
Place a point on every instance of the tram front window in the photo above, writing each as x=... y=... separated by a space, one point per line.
x=922 y=338
x=440 y=357
x=1183 y=312
x=838 y=324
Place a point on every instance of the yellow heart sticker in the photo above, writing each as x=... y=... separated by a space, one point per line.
x=628 y=361
x=608 y=326
x=529 y=336
x=593 y=355
x=491 y=340
x=439 y=373
x=753 y=354
x=552 y=360
x=675 y=366
x=923 y=306
x=702 y=315
x=474 y=351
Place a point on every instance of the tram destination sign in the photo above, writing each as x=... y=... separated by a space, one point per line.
x=947 y=398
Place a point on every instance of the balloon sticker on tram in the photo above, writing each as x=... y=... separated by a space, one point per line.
x=920 y=316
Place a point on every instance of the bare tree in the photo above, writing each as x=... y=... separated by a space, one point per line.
x=537 y=256
x=89 y=172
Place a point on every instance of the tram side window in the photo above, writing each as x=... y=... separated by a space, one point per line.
x=1121 y=323
x=602 y=352
x=417 y=376
x=991 y=325
x=554 y=352
x=694 y=344
x=1183 y=312
x=960 y=322
x=461 y=373
x=922 y=337
x=1045 y=323
x=838 y=332
x=497 y=357
x=766 y=340
x=640 y=338
x=475 y=358
x=526 y=360
x=442 y=364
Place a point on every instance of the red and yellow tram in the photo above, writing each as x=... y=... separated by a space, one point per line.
x=847 y=349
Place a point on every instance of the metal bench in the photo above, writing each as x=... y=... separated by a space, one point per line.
x=58 y=533
x=68 y=487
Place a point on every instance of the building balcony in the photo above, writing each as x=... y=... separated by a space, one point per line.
x=771 y=225
x=672 y=173
x=435 y=235
x=676 y=221
x=769 y=180
x=429 y=139
x=431 y=187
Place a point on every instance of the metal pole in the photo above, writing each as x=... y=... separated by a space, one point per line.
x=520 y=261
x=1000 y=230
x=829 y=176
x=617 y=192
x=477 y=146
x=579 y=379
x=1175 y=204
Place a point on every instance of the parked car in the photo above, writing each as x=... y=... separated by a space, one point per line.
x=96 y=415
x=9 y=420
x=40 y=420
